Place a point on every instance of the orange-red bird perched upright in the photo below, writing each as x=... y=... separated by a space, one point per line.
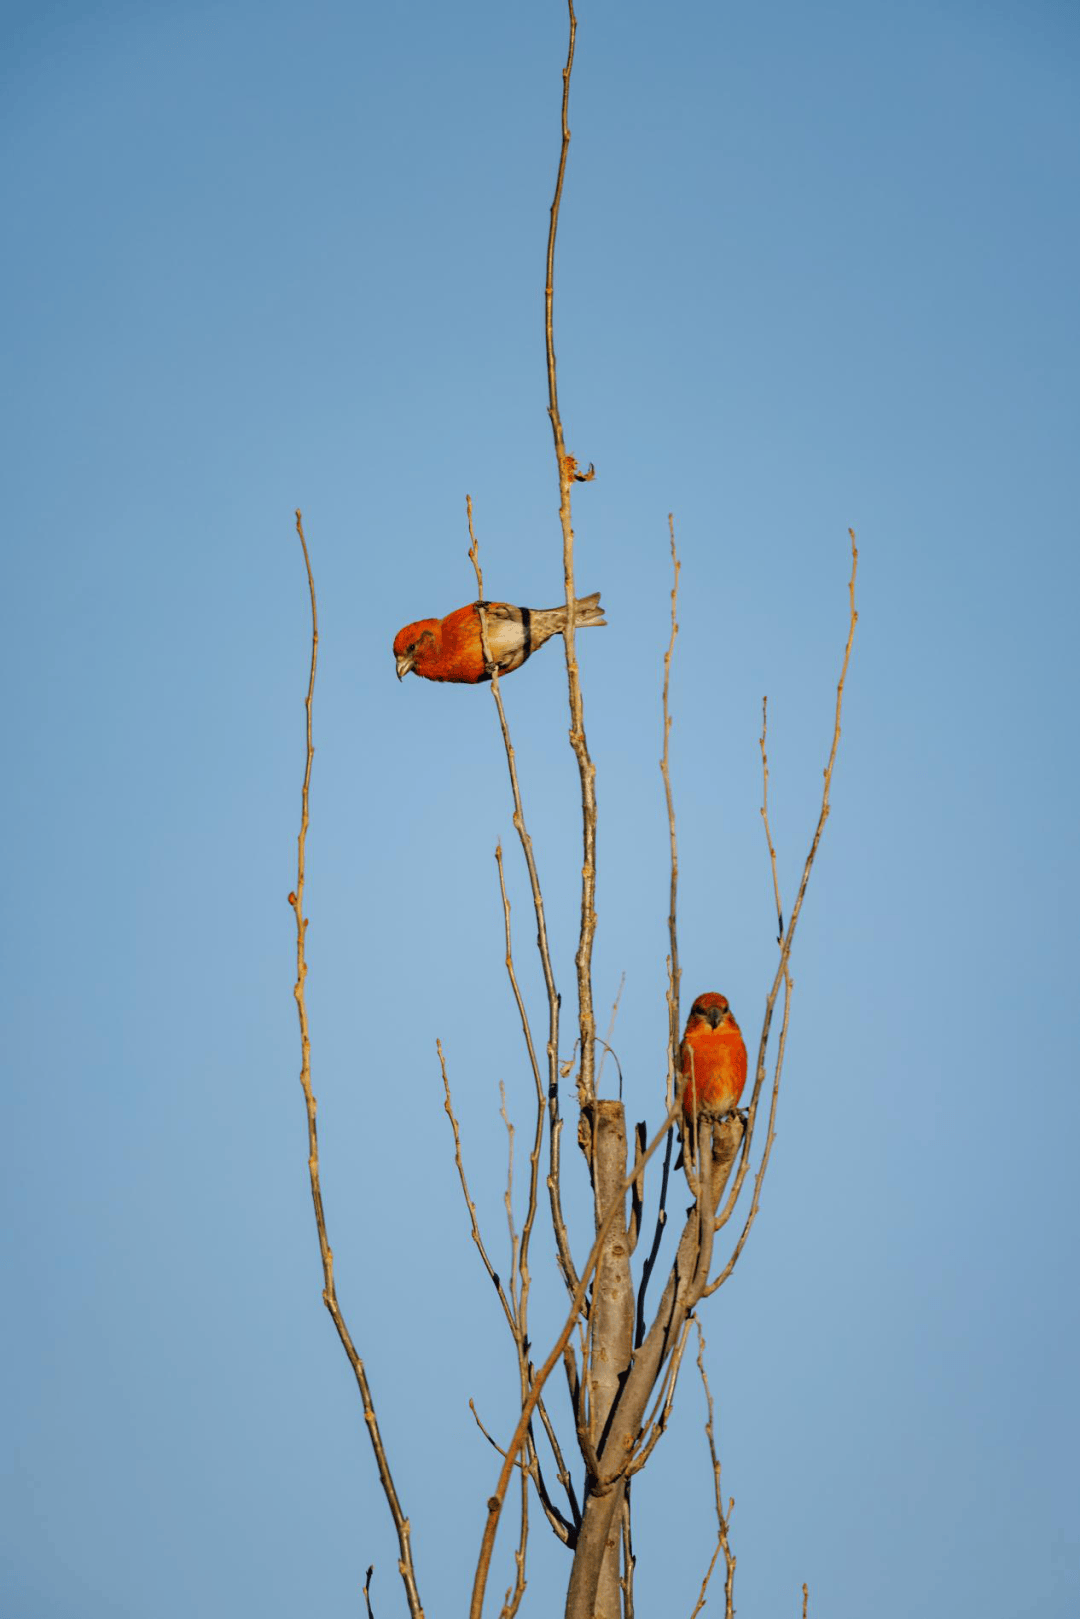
x=712 y=1057
x=451 y=648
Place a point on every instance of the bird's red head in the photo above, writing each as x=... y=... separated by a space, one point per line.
x=411 y=643
x=712 y=1009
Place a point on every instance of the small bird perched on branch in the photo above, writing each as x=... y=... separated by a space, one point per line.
x=452 y=648
x=713 y=1058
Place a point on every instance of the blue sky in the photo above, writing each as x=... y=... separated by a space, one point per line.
x=817 y=268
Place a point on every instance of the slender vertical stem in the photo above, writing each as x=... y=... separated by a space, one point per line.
x=562 y=1240
x=296 y=900
x=629 y=1560
x=723 y=1518
x=567 y=468
x=765 y=819
x=782 y=975
x=674 y=971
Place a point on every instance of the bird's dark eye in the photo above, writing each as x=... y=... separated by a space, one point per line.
x=411 y=647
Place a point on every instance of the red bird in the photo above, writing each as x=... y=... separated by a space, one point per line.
x=712 y=1057
x=451 y=648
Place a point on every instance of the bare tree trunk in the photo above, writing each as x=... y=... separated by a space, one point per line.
x=611 y=1317
x=599 y=1531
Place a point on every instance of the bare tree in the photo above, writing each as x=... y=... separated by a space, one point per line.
x=619 y=1355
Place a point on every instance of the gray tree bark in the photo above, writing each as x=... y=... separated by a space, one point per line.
x=611 y=1317
x=592 y=1592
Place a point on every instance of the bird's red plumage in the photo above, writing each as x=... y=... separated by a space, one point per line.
x=713 y=1057
x=452 y=648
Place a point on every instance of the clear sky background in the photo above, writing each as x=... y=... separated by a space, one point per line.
x=818 y=267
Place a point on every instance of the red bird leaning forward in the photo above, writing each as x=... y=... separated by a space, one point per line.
x=712 y=1057
x=451 y=648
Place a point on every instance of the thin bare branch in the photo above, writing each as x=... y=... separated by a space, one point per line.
x=655 y=1425
x=296 y=900
x=805 y=1599
x=562 y=1240
x=583 y=1416
x=573 y=1378
x=568 y=474
x=512 y=1600
x=765 y=820
x=496 y=1280
x=610 y=1051
x=782 y=976
x=563 y=1472
x=770 y=1137
x=508 y=1197
x=511 y=1310
x=674 y=971
x=561 y=1526
x=563 y=1529
x=556 y=1519
x=650 y=1259
x=367 y=1591
x=519 y=1325
x=723 y=1519
x=494 y=1443
x=534 y=1155
x=637 y=1195
x=526 y=1028
x=626 y=1584
x=700 y=1603
x=610 y=1036
x=549 y=287
x=788 y=986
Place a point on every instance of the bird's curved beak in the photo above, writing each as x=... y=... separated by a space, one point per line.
x=404 y=664
x=715 y=1017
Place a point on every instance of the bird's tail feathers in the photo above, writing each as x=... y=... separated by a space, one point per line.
x=589 y=611
x=548 y=621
